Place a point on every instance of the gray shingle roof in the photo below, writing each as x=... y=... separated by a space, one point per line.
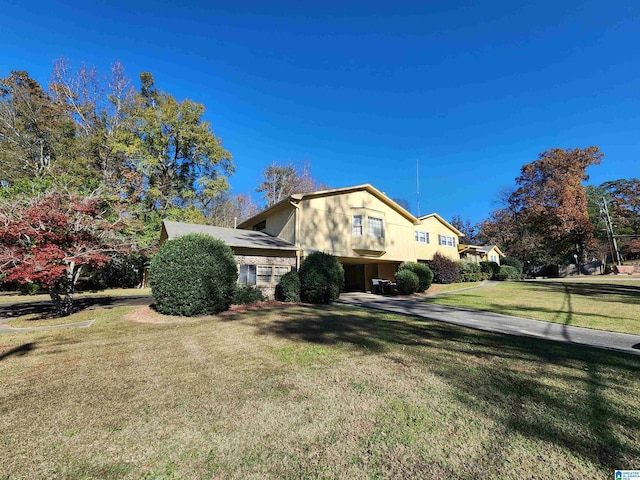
x=231 y=236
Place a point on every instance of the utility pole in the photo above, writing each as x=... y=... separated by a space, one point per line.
x=418 y=184
x=604 y=210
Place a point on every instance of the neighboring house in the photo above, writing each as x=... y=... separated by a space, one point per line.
x=262 y=259
x=480 y=253
x=369 y=233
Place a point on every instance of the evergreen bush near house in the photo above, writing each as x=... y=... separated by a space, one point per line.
x=474 y=277
x=507 y=272
x=193 y=275
x=492 y=268
x=424 y=273
x=468 y=267
x=407 y=282
x=288 y=290
x=513 y=262
x=321 y=278
x=444 y=269
x=246 y=294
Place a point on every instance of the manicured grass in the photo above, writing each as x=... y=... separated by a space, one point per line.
x=310 y=392
x=12 y=297
x=612 y=305
x=36 y=320
x=437 y=288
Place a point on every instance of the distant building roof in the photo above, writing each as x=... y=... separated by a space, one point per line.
x=231 y=236
x=479 y=248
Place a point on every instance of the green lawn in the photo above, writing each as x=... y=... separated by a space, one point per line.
x=310 y=392
x=602 y=304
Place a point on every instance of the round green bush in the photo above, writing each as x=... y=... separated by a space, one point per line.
x=492 y=268
x=321 y=278
x=193 y=275
x=514 y=262
x=424 y=273
x=288 y=290
x=507 y=272
x=407 y=282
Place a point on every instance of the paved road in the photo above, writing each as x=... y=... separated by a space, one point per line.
x=495 y=322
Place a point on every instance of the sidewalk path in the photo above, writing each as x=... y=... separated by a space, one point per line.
x=495 y=322
x=8 y=329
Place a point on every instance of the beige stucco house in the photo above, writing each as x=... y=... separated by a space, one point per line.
x=370 y=233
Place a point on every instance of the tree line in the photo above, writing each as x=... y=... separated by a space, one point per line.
x=550 y=217
x=89 y=154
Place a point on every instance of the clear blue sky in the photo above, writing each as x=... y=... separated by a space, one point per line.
x=472 y=90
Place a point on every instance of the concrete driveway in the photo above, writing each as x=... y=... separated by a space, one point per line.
x=495 y=322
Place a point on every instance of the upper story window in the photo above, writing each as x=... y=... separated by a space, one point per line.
x=493 y=258
x=375 y=227
x=357 y=226
x=422 y=237
x=446 y=240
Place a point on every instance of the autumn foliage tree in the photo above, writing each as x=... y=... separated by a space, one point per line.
x=545 y=216
x=47 y=240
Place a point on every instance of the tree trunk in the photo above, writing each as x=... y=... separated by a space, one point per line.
x=63 y=303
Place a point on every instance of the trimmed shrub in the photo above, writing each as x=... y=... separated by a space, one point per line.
x=424 y=274
x=321 y=278
x=468 y=267
x=444 y=269
x=492 y=268
x=513 y=262
x=193 y=275
x=474 y=277
x=288 y=290
x=407 y=282
x=245 y=294
x=507 y=272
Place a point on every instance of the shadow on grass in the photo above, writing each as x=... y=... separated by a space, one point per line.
x=567 y=395
x=21 y=350
x=603 y=291
x=45 y=309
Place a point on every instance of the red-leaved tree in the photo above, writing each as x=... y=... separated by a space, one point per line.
x=47 y=240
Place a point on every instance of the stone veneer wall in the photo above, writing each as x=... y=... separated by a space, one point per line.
x=267 y=290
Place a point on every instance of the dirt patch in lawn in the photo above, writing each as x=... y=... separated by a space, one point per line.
x=147 y=314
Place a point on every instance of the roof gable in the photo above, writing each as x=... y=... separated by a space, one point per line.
x=442 y=221
x=298 y=197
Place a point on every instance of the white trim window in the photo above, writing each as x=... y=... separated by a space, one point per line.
x=279 y=271
x=374 y=227
x=422 y=237
x=262 y=274
x=493 y=258
x=356 y=229
x=446 y=240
